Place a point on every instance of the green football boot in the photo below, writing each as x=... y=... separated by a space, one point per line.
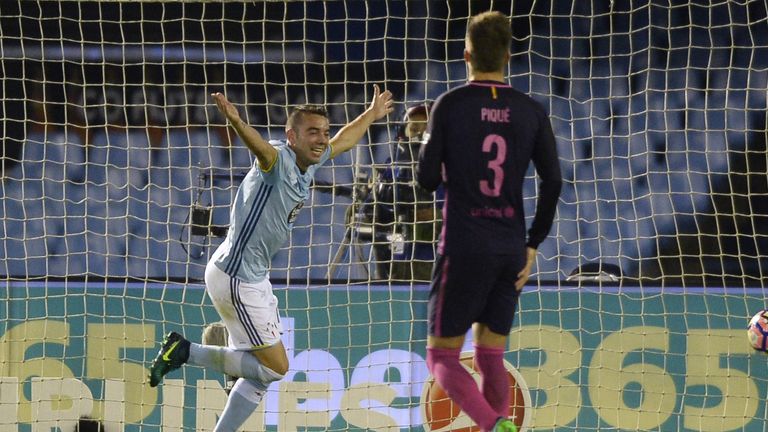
x=173 y=354
x=504 y=425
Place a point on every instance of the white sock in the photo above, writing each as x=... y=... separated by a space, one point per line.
x=231 y=362
x=242 y=402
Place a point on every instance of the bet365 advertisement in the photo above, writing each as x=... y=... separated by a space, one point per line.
x=580 y=359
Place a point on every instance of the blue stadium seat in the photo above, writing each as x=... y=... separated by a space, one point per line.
x=55 y=155
x=187 y=147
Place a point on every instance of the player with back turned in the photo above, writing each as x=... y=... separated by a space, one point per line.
x=480 y=141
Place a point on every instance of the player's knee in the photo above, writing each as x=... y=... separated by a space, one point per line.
x=269 y=375
x=274 y=358
x=271 y=368
x=445 y=357
x=280 y=369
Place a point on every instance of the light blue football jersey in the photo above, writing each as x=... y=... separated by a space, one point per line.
x=265 y=208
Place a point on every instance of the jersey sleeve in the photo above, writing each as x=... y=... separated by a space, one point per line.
x=279 y=168
x=547 y=164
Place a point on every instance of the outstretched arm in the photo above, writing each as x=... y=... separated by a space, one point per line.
x=351 y=134
x=265 y=153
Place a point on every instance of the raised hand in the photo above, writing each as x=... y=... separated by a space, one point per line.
x=382 y=103
x=226 y=107
x=264 y=151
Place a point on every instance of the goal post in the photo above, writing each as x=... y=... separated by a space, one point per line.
x=118 y=174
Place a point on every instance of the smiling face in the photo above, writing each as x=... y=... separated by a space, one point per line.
x=308 y=136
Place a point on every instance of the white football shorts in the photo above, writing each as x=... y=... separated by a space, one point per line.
x=249 y=310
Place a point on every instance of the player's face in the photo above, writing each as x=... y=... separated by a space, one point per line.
x=309 y=139
x=417 y=124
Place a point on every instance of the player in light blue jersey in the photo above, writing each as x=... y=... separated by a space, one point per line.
x=237 y=276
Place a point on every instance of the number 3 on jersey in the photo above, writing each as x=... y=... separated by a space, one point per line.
x=493 y=189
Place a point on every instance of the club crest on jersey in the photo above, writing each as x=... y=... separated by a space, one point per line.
x=295 y=212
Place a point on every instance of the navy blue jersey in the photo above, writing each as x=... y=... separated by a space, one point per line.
x=480 y=140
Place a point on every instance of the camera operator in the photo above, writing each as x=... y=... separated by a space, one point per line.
x=405 y=218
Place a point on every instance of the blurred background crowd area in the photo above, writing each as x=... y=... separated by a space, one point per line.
x=110 y=139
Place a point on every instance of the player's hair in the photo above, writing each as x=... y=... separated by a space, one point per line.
x=490 y=35
x=298 y=113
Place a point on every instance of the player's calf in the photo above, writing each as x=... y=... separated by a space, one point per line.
x=216 y=334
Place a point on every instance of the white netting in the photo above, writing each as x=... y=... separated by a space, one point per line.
x=659 y=113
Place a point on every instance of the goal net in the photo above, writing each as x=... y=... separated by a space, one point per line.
x=118 y=174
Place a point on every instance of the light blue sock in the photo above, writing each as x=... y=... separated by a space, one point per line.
x=231 y=362
x=242 y=402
